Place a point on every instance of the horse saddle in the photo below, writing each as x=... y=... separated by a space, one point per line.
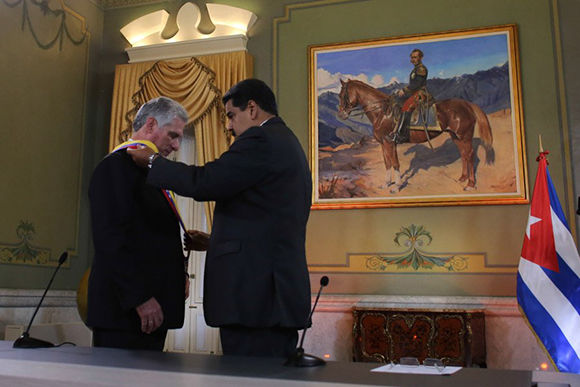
x=424 y=117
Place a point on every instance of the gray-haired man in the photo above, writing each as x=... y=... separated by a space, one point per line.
x=137 y=285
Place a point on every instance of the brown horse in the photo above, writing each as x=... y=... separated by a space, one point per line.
x=455 y=116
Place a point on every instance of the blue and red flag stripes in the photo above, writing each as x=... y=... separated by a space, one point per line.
x=548 y=285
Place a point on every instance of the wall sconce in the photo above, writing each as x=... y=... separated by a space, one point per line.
x=230 y=32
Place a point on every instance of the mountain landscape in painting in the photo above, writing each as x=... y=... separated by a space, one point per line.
x=350 y=160
x=488 y=89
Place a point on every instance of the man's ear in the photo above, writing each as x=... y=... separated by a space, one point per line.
x=253 y=109
x=150 y=125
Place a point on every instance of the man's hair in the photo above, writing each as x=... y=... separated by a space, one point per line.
x=419 y=51
x=163 y=109
x=252 y=89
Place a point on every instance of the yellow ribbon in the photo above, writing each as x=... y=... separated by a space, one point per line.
x=129 y=143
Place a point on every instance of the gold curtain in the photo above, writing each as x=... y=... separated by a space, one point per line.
x=197 y=83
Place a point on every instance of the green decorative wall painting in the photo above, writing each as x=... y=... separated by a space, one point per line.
x=24 y=252
x=415 y=258
x=414 y=238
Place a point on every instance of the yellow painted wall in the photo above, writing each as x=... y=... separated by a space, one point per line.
x=47 y=104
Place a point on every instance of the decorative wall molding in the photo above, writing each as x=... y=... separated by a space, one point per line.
x=110 y=4
x=192 y=21
x=277 y=21
x=187 y=49
x=192 y=28
x=29 y=298
x=63 y=30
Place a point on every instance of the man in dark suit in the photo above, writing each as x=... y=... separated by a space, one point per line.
x=256 y=286
x=137 y=284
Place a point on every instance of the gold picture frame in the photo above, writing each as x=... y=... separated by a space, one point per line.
x=473 y=76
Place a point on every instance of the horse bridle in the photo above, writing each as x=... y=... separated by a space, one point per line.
x=364 y=108
x=345 y=100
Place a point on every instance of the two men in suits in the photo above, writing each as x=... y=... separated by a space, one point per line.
x=256 y=286
x=137 y=286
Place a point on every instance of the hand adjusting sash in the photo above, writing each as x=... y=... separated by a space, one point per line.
x=169 y=195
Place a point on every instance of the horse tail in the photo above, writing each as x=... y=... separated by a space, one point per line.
x=484 y=132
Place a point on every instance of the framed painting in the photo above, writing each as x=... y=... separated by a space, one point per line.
x=422 y=120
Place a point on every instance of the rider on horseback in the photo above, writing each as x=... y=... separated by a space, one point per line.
x=413 y=92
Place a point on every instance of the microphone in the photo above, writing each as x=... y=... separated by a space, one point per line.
x=25 y=341
x=299 y=358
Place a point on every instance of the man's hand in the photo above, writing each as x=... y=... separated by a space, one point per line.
x=151 y=315
x=140 y=155
x=196 y=240
x=186 y=286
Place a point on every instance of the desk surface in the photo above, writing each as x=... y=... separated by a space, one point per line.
x=86 y=366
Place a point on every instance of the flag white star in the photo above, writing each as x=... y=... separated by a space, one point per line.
x=531 y=220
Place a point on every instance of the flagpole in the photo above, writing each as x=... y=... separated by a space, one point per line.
x=549 y=274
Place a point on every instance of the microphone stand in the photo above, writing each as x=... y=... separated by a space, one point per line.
x=25 y=341
x=300 y=358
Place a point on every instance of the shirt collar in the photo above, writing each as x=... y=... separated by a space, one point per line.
x=266 y=120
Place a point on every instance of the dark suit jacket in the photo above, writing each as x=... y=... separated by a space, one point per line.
x=255 y=272
x=138 y=253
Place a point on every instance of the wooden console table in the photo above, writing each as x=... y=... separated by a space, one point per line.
x=455 y=336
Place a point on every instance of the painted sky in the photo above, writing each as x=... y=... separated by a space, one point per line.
x=380 y=65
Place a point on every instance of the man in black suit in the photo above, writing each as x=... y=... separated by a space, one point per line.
x=137 y=286
x=256 y=286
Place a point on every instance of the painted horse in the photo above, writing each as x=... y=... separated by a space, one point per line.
x=457 y=117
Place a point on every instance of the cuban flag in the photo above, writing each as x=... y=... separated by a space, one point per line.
x=548 y=286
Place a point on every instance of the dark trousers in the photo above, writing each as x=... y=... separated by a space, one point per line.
x=129 y=339
x=267 y=342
